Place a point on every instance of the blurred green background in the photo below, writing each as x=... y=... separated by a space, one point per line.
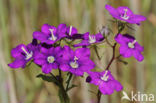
x=18 y=20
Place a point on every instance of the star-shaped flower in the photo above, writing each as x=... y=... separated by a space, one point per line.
x=105 y=81
x=48 y=58
x=123 y=13
x=50 y=34
x=76 y=62
x=23 y=54
x=90 y=39
x=129 y=46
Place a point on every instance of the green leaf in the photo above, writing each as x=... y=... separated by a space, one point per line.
x=47 y=78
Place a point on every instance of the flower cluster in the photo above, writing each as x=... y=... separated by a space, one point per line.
x=48 y=51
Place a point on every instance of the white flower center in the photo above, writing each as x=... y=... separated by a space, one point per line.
x=50 y=59
x=53 y=37
x=74 y=64
x=92 y=39
x=28 y=55
x=131 y=44
x=125 y=17
x=105 y=77
x=70 y=30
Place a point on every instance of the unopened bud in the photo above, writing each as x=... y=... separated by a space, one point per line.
x=105 y=31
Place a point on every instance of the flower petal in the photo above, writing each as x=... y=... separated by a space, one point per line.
x=112 y=10
x=64 y=67
x=138 y=55
x=128 y=53
x=40 y=59
x=139 y=47
x=73 y=30
x=105 y=89
x=76 y=72
x=17 y=52
x=40 y=36
x=46 y=68
x=54 y=65
x=18 y=63
x=82 y=52
x=99 y=37
x=136 y=19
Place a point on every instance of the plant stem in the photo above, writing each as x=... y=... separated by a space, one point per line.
x=109 y=43
x=68 y=81
x=63 y=96
x=97 y=53
x=113 y=57
x=99 y=96
x=99 y=93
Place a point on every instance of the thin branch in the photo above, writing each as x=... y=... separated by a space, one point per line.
x=109 y=43
x=113 y=57
x=99 y=96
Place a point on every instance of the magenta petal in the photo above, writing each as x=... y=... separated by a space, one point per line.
x=86 y=36
x=45 y=28
x=40 y=59
x=46 y=51
x=46 y=68
x=18 y=63
x=67 y=53
x=138 y=55
x=99 y=37
x=128 y=53
x=64 y=67
x=105 y=89
x=62 y=28
x=76 y=72
x=82 y=52
x=54 y=65
x=73 y=30
x=136 y=19
x=121 y=10
x=62 y=35
x=139 y=47
x=16 y=52
x=86 y=64
x=40 y=36
x=119 y=39
x=123 y=49
x=112 y=10
x=118 y=86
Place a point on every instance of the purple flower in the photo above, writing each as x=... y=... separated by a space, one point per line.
x=22 y=55
x=105 y=81
x=90 y=39
x=76 y=62
x=125 y=14
x=48 y=58
x=129 y=46
x=72 y=33
x=50 y=34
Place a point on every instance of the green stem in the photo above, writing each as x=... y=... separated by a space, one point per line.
x=97 y=53
x=63 y=96
x=68 y=81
